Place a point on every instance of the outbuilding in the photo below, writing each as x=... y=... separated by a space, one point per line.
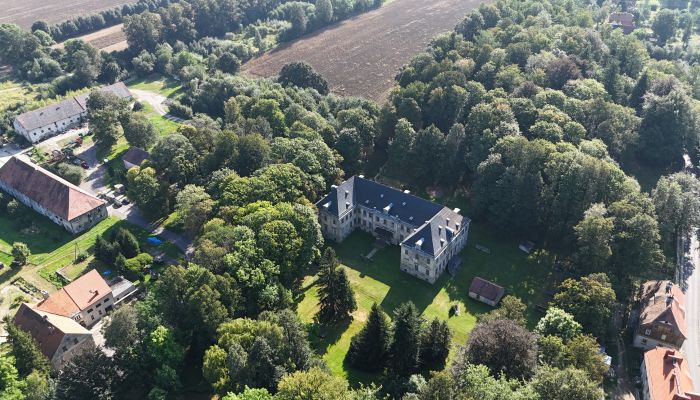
x=486 y=291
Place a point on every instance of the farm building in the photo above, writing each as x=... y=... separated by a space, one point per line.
x=486 y=291
x=59 y=338
x=430 y=235
x=134 y=157
x=62 y=202
x=44 y=122
x=85 y=300
x=661 y=316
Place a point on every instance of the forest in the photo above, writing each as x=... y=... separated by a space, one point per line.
x=538 y=113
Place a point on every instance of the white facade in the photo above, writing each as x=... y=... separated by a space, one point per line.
x=53 y=129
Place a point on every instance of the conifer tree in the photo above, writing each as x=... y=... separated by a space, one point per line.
x=435 y=345
x=369 y=348
x=28 y=357
x=404 y=352
x=337 y=301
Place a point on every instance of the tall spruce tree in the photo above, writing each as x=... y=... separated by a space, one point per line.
x=369 y=348
x=28 y=357
x=337 y=301
x=404 y=352
x=435 y=346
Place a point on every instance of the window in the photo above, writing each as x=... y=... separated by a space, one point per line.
x=405 y=251
x=89 y=311
x=65 y=348
x=106 y=300
x=93 y=318
x=663 y=337
x=647 y=332
x=98 y=305
x=75 y=341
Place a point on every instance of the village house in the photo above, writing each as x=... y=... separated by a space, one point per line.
x=485 y=291
x=666 y=376
x=429 y=234
x=622 y=20
x=59 y=337
x=48 y=194
x=44 y=122
x=134 y=157
x=661 y=316
x=86 y=300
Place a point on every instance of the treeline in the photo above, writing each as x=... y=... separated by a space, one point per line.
x=82 y=25
x=222 y=35
x=536 y=113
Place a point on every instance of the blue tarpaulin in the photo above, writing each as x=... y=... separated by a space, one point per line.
x=154 y=241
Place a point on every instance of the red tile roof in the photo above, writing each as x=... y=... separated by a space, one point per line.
x=668 y=375
x=76 y=296
x=52 y=192
x=45 y=334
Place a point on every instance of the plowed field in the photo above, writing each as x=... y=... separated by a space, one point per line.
x=361 y=56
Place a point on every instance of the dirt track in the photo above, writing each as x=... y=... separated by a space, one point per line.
x=361 y=56
x=25 y=12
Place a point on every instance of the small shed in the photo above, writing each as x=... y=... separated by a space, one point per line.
x=134 y=157
x=486 y=291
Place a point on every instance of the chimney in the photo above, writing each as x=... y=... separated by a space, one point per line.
x=447 y=221
x=346 y=194
x=669 y=300
x=44 y=294
x=669 y=286
x=439 y=229
x=457 y=226
x=334 y=186
x=419 y=243
x=457 y=210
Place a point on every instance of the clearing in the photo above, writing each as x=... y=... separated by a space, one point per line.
x=25 y=12
x=361 y=56
x=381 y=281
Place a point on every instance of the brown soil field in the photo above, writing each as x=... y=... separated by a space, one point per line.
x=25 y=12
x=361 y=56
x=108 y=39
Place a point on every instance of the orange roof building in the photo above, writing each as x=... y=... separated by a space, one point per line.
x=666 y=376
x=661 y=316
x=48 y=194
x=85 y=300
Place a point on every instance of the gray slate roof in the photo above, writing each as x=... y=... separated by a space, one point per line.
x=430 y=219
x=65 y=109
x=135 y=156
x=50 y=114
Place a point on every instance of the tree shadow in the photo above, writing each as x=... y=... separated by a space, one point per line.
x=322 y=336
x=384 y=267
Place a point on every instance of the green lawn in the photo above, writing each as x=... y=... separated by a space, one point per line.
x=156 y=83
x=54 y=248
x=381 y=281
x=162 y=125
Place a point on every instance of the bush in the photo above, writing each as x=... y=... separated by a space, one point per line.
x=69 y=172
x=20 y=252
x=180 y=110
x=133 y=267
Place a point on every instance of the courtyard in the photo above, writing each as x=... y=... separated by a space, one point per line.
x=380 y=281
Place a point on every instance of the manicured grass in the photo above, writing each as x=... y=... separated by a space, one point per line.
x=156 y=83
x=162 y=125
x=381 y=281
x=53 y=248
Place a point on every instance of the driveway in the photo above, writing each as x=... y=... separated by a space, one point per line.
x=8 y=151
x=156 y=101
x=132 y=214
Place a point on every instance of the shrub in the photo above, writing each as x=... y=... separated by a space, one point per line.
x=180 y=110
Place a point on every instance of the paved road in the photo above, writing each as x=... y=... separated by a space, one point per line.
x=690 y=279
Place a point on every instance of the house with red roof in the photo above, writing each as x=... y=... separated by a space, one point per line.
x=666 y=376
x=662 y=320
x=48 y=194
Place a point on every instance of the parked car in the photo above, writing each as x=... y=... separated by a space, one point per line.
x=125 y=201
